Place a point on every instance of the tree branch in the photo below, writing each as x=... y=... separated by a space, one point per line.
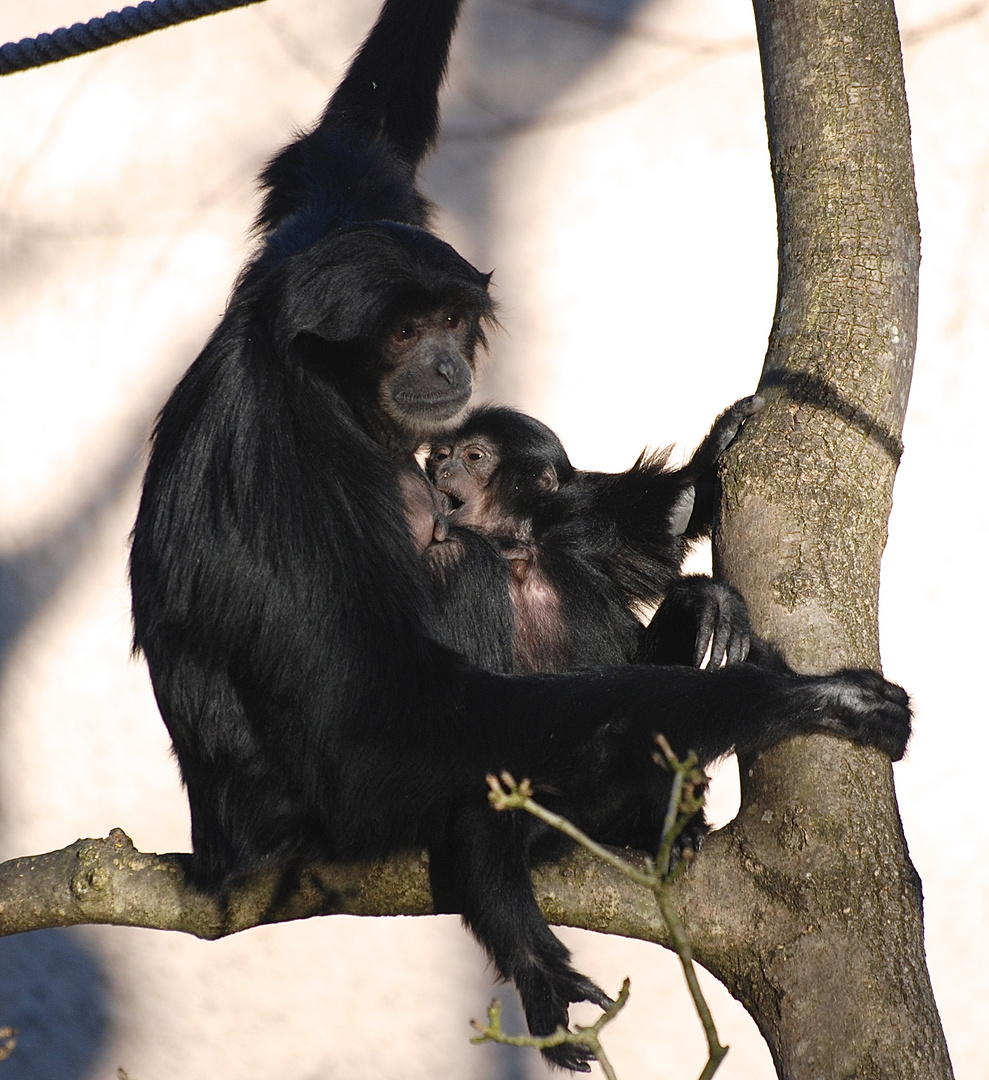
x=108 y=881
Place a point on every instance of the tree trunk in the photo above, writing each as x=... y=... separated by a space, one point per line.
x=834 y=970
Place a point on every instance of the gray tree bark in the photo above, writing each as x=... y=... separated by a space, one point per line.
x=838 y=985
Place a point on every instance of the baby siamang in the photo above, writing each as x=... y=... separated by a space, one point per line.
x=585 y=547
x=281 y=602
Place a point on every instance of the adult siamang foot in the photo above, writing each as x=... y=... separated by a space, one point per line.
x=546 y=998
x=691 y=839
x=861 y=705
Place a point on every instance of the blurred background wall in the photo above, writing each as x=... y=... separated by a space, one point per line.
x=608 y=159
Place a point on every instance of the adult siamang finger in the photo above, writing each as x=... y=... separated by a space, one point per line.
x=705 y=633
x=749 y=406
x=721 y=641
x=739 y=647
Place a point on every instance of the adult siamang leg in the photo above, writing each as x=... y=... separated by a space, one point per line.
x=482 y=871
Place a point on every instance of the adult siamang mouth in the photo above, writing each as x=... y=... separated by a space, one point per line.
x=440 y=406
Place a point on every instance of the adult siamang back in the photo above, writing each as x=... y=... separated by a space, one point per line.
x=282 y=604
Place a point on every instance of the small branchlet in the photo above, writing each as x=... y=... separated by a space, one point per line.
x=686 y=800
x=588 y=1036
x=506 y=794
x=8 y=1041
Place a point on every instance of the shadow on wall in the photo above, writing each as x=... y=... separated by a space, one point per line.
x=52 y=986
x=514 y=60
x=524 y=55
x=52 y=990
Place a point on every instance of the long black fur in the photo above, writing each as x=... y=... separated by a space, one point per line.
x=286 y=616
x=471 y=588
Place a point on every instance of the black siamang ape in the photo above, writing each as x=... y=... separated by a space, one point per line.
x=279 y=596
x=584 y=547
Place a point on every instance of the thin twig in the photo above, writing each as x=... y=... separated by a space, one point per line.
x=588 y=1036
x=8 y=1041
x=686 y=800
x=513 y=796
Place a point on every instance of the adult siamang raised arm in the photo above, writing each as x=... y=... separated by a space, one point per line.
x=282 y=604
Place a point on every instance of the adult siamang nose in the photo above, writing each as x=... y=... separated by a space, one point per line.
x=446 y=369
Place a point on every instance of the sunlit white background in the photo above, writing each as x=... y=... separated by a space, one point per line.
x=608 y=160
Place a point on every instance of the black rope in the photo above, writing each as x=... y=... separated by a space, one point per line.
x=98 y=33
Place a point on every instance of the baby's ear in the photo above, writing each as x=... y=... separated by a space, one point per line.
x=550 y=482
